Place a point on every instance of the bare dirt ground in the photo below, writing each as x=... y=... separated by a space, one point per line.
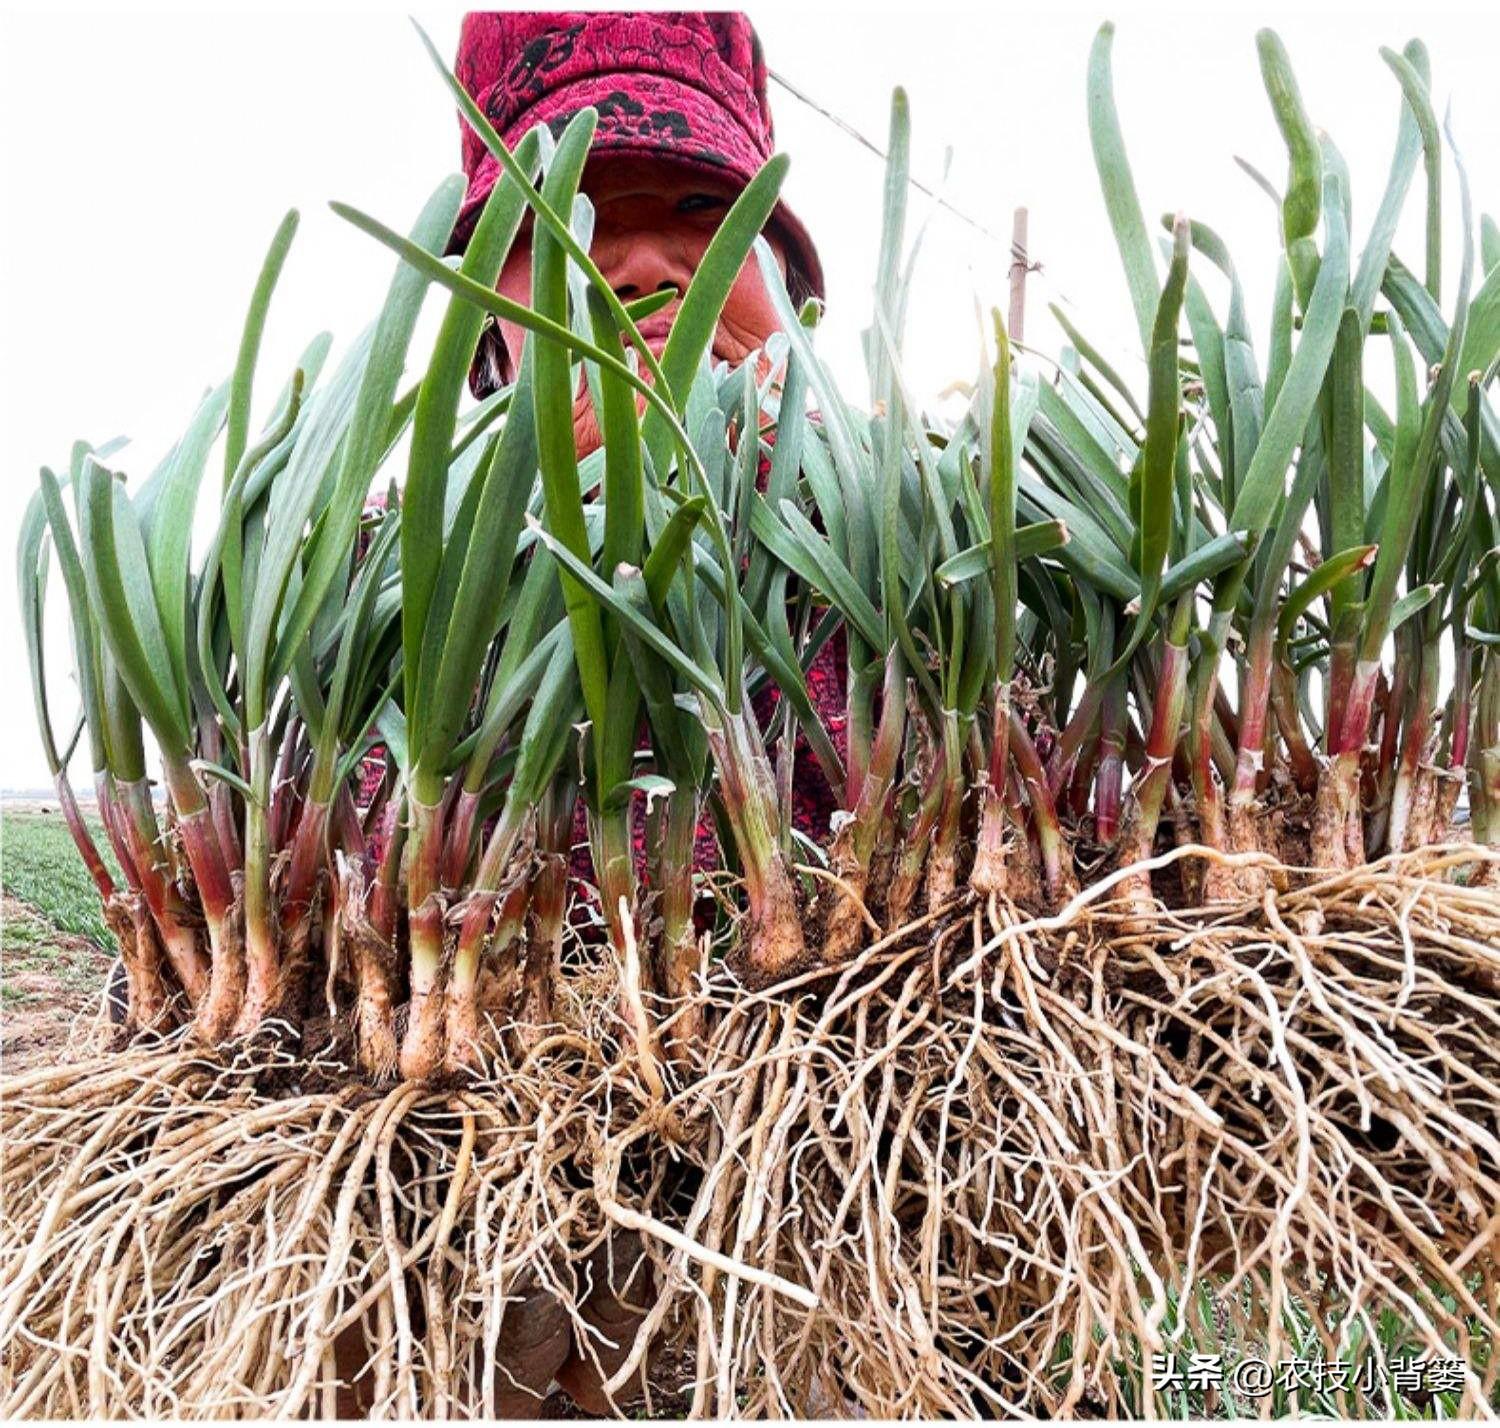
x=51 y=987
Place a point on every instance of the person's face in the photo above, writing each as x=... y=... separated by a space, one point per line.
x=652 y=221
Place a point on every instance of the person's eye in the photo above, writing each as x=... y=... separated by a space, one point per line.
x=702 y=203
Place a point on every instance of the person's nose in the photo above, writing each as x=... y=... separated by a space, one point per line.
x=639 y=263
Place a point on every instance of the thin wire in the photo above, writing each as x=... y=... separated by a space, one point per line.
x=1017 y=254
x=880 y=153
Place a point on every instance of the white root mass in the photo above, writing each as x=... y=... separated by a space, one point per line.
x=975 y=1170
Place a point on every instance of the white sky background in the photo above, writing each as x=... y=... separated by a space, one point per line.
x=148 y=158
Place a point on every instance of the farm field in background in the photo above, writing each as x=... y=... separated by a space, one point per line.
x=39 y=865
x=55 y=951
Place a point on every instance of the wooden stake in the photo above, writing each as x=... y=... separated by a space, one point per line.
x=1020 y=265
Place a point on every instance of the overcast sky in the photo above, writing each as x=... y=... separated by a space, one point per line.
x=148 y=158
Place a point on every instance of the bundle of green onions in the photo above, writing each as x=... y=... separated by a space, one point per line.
x=1120 y=669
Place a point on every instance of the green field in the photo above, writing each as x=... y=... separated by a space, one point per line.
x=42 y=968
x=40 y=865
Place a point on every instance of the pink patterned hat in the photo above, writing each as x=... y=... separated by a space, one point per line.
x=684 y=85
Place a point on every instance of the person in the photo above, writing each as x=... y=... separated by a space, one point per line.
x=684 y=123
